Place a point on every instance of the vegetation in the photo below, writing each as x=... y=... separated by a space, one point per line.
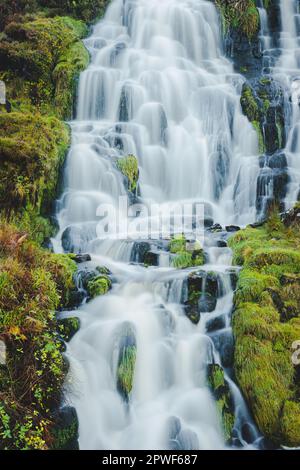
x=98 y=285
x=241 y=15
x=41 y=56
x=224 y=401
x=125 y=372
x=129 y=168
x=33 y=284
x=185 y=257
x=266 y=323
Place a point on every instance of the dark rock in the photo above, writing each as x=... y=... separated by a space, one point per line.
x=151 y=258
x=66 y=429
x=215 y=228
x=245 y=54
x=217 y=323
x=224 y=344
x=68 y=327
x=233 y=273
x=232 y=228
x=82 y=258
x=75 y=239
x=139 y=251
x=222 y=244
x=222 y=394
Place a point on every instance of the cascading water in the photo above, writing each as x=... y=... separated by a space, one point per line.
x=157 y=87
x=286 y=70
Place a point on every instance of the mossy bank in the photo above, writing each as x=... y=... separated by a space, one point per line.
x=41 y=57
x=266 y=323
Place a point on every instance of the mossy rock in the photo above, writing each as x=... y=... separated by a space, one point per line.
x=125 y=371
x=32 y=151
x=224 y=401
x=98 y=285
x=266 y=323
x=242 y=16
x=41 y=59
x=69 y=327
x=66 y=431
x=129 y=168
x=185 y=257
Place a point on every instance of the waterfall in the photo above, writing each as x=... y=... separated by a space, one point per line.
x=286 y=70
x=159 y=87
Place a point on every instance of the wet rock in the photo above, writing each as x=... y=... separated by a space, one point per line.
x=75 y=239
x=84 y=258
x=68 y=327
x=179 y=438
x=66 y=429
x=291 y=216
x=216 y=323
x=221 y=244
x=98 y=285
x=139 y=251
x=246 y=54
x=222 y=394
x=215 y=228
x=103 y=270
x=263 y=102
x=224 y=344
x=233 y=277
x=151 y=258
x=232 y=228
x=201 y=291
x=126 y=361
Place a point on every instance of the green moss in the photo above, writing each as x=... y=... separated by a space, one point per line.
x=252 y=110
x=177 y=244
x=125 y=371
x=32 y=150
x=33 y=284
x=185 y=257
x=99 y=285
x=40 y=61
x=221 y=392
x=291 y=422
x=129 y=167
x=265 y=324
x=242 y=16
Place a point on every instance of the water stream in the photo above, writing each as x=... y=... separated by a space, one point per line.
x=159 y=87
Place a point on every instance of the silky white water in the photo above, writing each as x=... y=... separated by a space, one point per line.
x=287 y=71
x=157 y=87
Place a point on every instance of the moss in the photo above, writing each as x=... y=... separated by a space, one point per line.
x=185 y=257
x=252 y=110
x=177 y=244
x=241 y=15
x=265 y=324
x=99 y=285
x=125 y=371
x=40 y=62
x=129 y=168
x=291 y=422
x=32 y=150
x=33 y=284
x=221 y=392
